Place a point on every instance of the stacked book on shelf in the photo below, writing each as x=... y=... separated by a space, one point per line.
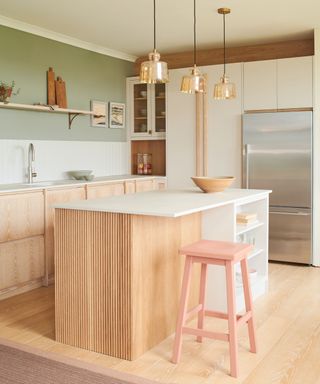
x=246 y=218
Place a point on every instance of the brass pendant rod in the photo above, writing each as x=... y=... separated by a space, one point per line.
x=194 y=34
x=154 y=25
x=224 y=44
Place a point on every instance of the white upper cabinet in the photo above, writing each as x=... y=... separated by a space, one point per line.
x=278 y=84
x=295 y=82
x=259 y=85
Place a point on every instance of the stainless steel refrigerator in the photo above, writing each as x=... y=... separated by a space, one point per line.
x=277 y=155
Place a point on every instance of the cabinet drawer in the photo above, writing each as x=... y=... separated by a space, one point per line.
x=160 y=184
x=105 y=190
x=21 y=261
x=22 y=215
x=130 y=187
x=144 y=186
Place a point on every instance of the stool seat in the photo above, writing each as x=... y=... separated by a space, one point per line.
x=226 y=254
x=222 y=250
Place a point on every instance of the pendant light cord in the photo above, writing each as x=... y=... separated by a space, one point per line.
x=154 y=25
x=194 y=34
x=224 y=44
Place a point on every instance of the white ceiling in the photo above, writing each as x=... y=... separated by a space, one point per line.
x=124 y=27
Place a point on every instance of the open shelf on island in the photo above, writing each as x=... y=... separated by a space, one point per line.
x=255 y=253
x=72 y=113
x=243 y=228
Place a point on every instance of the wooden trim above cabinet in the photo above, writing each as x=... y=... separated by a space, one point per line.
x=280 y=50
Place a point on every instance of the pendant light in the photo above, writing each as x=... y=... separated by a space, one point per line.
x=224 y=90
x=195 y=82
x=154 y=71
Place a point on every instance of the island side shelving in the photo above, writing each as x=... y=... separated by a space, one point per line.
x=227 y=229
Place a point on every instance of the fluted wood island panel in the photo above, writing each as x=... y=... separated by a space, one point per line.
x=118 y=278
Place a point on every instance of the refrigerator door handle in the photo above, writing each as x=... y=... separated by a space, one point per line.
x=297 y=213
x=246 y=154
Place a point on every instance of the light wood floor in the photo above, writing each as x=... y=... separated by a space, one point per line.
x=288 y=325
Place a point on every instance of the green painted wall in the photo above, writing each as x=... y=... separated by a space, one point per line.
x=25 y=58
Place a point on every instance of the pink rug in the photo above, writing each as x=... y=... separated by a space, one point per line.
x=21 y=364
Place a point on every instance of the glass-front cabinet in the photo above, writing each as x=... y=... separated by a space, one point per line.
x=146 y=109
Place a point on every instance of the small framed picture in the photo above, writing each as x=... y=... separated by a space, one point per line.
x=100 y=116
x=117 y=115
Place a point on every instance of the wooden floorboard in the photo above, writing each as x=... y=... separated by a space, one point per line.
x=288 y=331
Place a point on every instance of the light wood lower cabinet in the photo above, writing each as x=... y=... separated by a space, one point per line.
x=160 y=184
x=21 y=215
x=27 y=229
x=144 y=185
x=21 y=261
x=105 y=190
x=21 y=241
x=51 y=197
x=129 y=187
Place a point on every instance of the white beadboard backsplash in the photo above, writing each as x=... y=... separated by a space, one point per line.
x=54 y=158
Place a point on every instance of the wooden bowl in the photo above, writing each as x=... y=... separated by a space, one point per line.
x=213 y=184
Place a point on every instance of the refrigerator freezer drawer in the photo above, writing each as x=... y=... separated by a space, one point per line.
x=290 y=236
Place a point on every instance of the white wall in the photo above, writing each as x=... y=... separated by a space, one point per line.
x=181 y=133
x=224 y=129
x=55 y=158
x=224 y=125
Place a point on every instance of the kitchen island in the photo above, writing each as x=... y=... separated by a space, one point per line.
x=118 y=272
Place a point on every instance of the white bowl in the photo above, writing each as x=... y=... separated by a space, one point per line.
x=143 y=94
x=82 y=174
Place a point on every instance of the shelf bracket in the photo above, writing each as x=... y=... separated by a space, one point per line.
x=72 y=116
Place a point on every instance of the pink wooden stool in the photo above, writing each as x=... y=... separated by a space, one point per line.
x=224 y=254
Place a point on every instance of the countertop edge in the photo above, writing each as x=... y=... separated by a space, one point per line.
x=238 y=201
x=20 y=187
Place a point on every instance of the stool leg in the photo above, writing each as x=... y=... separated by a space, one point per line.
x=232 y=319
x=202 y=294
x=182 y=309
x=248 y=302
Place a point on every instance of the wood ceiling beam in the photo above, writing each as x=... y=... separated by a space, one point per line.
x=281 y=50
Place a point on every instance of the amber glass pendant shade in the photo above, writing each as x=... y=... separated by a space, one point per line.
x=154 y=71
x=224 y=90
x=193 y=83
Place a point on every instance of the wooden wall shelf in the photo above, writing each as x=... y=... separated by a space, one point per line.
x=72 y=113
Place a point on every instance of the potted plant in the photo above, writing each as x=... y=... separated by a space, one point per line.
x=6 y=91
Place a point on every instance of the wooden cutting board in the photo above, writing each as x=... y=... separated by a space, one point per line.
x=61 y=95
x=51 y=90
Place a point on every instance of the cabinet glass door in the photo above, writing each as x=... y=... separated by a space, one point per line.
x=160 y=108
x=140 y=108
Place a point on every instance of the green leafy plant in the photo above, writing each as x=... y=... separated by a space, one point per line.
x=6 y=91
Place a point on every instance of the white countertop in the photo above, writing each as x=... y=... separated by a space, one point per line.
x=169 y=203
x=18 y=187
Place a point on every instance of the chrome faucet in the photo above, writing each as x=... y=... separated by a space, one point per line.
x=31 y=159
